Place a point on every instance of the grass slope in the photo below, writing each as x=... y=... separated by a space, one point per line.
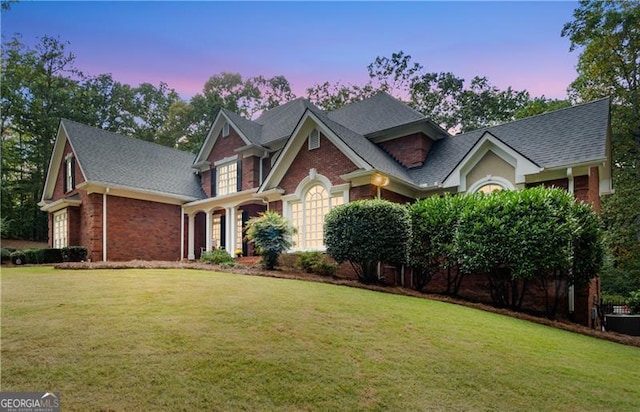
x=188 y=340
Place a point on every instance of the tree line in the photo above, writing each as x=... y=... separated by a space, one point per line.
x=40 y=85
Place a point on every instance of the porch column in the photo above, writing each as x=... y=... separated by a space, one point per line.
x=192 y=223
x=208 y=230
x=230 y=230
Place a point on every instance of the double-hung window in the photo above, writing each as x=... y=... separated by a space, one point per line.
x=60 y=229
x=227 y=178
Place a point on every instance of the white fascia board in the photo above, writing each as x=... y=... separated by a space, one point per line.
x=134 y=193
x=295 y=143
x=210 y=203
x=212 y=136
x=486 y=143
x=59 y=204
x=209 y=140
x=62 y=137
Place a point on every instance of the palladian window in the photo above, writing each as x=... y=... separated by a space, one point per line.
x=307 y=216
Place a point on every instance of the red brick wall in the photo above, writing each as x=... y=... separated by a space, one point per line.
x=58 y=192
x=250 y=172
x=205 y=181
x=328 y=160
x=276 y=206
x=594 y=188
x=138 y=229
x=581 y=188
x=561 y=183
x=410 y=151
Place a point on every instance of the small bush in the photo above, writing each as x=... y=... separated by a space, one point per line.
x=6 y=254
x=216 y=257
x=316 y=262
x=18 y=258
x=634 y=302
x=306 y=260
x=271 y=234
x=74 y=254
x=324 y=268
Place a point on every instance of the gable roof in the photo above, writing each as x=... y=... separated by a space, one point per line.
x=562 y=138
x=114 y=160
x=378 y=113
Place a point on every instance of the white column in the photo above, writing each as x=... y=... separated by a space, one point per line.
x=208 y=230
x=230 y=230
x=192 y=223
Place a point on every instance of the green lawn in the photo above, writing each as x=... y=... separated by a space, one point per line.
x=196 y=340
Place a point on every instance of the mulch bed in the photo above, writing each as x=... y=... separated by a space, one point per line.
x=289 y=274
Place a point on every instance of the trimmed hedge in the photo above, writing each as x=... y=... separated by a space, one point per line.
x=6 y=254
x=40 y=256
x=217 y=257
x=74 y=254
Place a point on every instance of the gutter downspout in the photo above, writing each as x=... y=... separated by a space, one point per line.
x=181 y=233
x=104 y=225
x=572 y=289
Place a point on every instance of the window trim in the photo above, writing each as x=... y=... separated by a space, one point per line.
x=231 y=182
x=491 y=180
x=60 y=227
x=337 y=195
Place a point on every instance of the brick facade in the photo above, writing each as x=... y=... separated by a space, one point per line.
x=410 y=151
x=328 y=160
x=138 y=229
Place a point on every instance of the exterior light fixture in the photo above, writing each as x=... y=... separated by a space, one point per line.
x=379 y=180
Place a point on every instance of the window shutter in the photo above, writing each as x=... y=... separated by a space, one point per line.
x=239 y=179
x=213 y=182
x=73 y=173
x=64 y=178
x=223 y=232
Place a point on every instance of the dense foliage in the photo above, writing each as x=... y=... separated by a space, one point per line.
x=607 y=35
x=536 y=237
x=271 y=234
x=366 y=233
x=434 y=222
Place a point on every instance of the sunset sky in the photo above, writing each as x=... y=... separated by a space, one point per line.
x=514 y=44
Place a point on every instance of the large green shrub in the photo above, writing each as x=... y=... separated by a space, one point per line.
x=368 y=232
x=536 y=236
x=6 y=254
x=216 y=257
x=434 y=222
x=271 y=234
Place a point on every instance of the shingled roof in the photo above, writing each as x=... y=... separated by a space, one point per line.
x=111 y=159
x=570 y=136
x=377 y=113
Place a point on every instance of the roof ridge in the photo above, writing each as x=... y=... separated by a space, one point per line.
x=486 y=128
x=129 y=138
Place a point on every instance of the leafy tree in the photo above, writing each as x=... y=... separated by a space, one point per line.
x=366 y=233
x=271 y=234
x=434 y=222
x=539 y=105
x=330 y=97
x=443 y=97
x=607 y=34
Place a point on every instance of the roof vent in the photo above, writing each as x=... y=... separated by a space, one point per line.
x=314 y=139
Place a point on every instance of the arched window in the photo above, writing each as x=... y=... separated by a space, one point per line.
x=490 y=188
x=491 y=184
x=307 y=216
